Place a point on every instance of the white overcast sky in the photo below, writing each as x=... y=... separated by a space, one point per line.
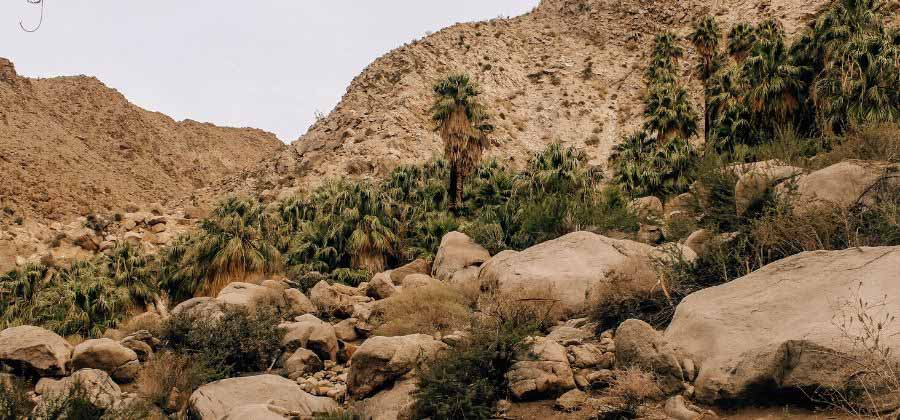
x=269 y=64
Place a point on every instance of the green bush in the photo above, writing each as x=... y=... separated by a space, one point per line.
x=467 y=381
x=238 y=342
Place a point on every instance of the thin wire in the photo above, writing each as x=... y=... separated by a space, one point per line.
x=41 y=21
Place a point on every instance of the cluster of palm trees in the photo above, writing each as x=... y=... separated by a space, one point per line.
x=657 y=159
x=84 y=298
x=843 y=72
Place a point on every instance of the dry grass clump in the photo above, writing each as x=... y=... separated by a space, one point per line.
x=168 y=380
x=633 y=387
x=632 y=289
x=425 y=310
x=539 y=307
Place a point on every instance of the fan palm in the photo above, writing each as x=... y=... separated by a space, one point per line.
x=774 y=81
x=462 y=122
x=370 y=243
x=669 y=113
x=665 y=45
x=740 y=41
x=228 y=249
x=706 y=39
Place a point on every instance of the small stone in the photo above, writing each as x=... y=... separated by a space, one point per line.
x=571 y=400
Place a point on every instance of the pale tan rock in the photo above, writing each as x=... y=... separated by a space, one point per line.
x=35 y=349
x=311 y=333
x=540 y=369
x=776 y=326
x=216 y=400
x=456 y=252
x=106 y=355
x=381 y=360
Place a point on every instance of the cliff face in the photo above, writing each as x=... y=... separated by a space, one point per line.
x=569 y=71
x=71 y=145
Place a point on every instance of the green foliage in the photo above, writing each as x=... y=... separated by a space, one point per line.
x=237 y=342
x=466 y=382
x=84 y=298
x=462 y=123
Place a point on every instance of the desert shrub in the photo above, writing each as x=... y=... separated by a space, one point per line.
x=14 y=401
x=240 y=341
x=466 y=382
x=879 y=142
x=427 y=310
x=632 y=289
x=336 y=415
x=632 y=388
x=171 y=371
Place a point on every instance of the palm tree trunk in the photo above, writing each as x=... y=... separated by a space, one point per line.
x=451 y=191
x=459 y=188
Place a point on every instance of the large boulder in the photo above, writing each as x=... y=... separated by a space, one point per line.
x=257 y=412
x=756 y=179
x=843 y=184
x=336 y=299
x=456 y=252
x=250 y=296
x=107 y=355
x=781 y=327
x=313 y=334
x=571 y=269
x=200 y=307
x=382 y=286
x=542 y=369
x=96 y=385
x=302 y=362
x=297 y=303
x=216 y=400
x=35 y=350
x=379 y=361
x=396 y=403
x=639 y=345
x=419 y=266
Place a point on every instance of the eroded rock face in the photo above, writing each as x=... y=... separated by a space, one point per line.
x=107 y=355
x=780 y=327
x=217 y=400
x=379 y=361
x=541 y=370
x=570 y=268
x=34 y=350
x=639 y=345
x=337 y=299
x=456 y=252
x=205 y=307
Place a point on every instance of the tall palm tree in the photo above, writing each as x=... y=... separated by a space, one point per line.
x=666 y=45
x=669 y=113
x=740 y=40
x=462 y=122
x=774 y=81
x=706 y=39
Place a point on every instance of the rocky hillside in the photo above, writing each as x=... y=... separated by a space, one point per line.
x=71 y=145
x=569 y=71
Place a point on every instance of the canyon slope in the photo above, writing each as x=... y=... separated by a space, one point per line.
x=569 y=71
x=70 y=146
